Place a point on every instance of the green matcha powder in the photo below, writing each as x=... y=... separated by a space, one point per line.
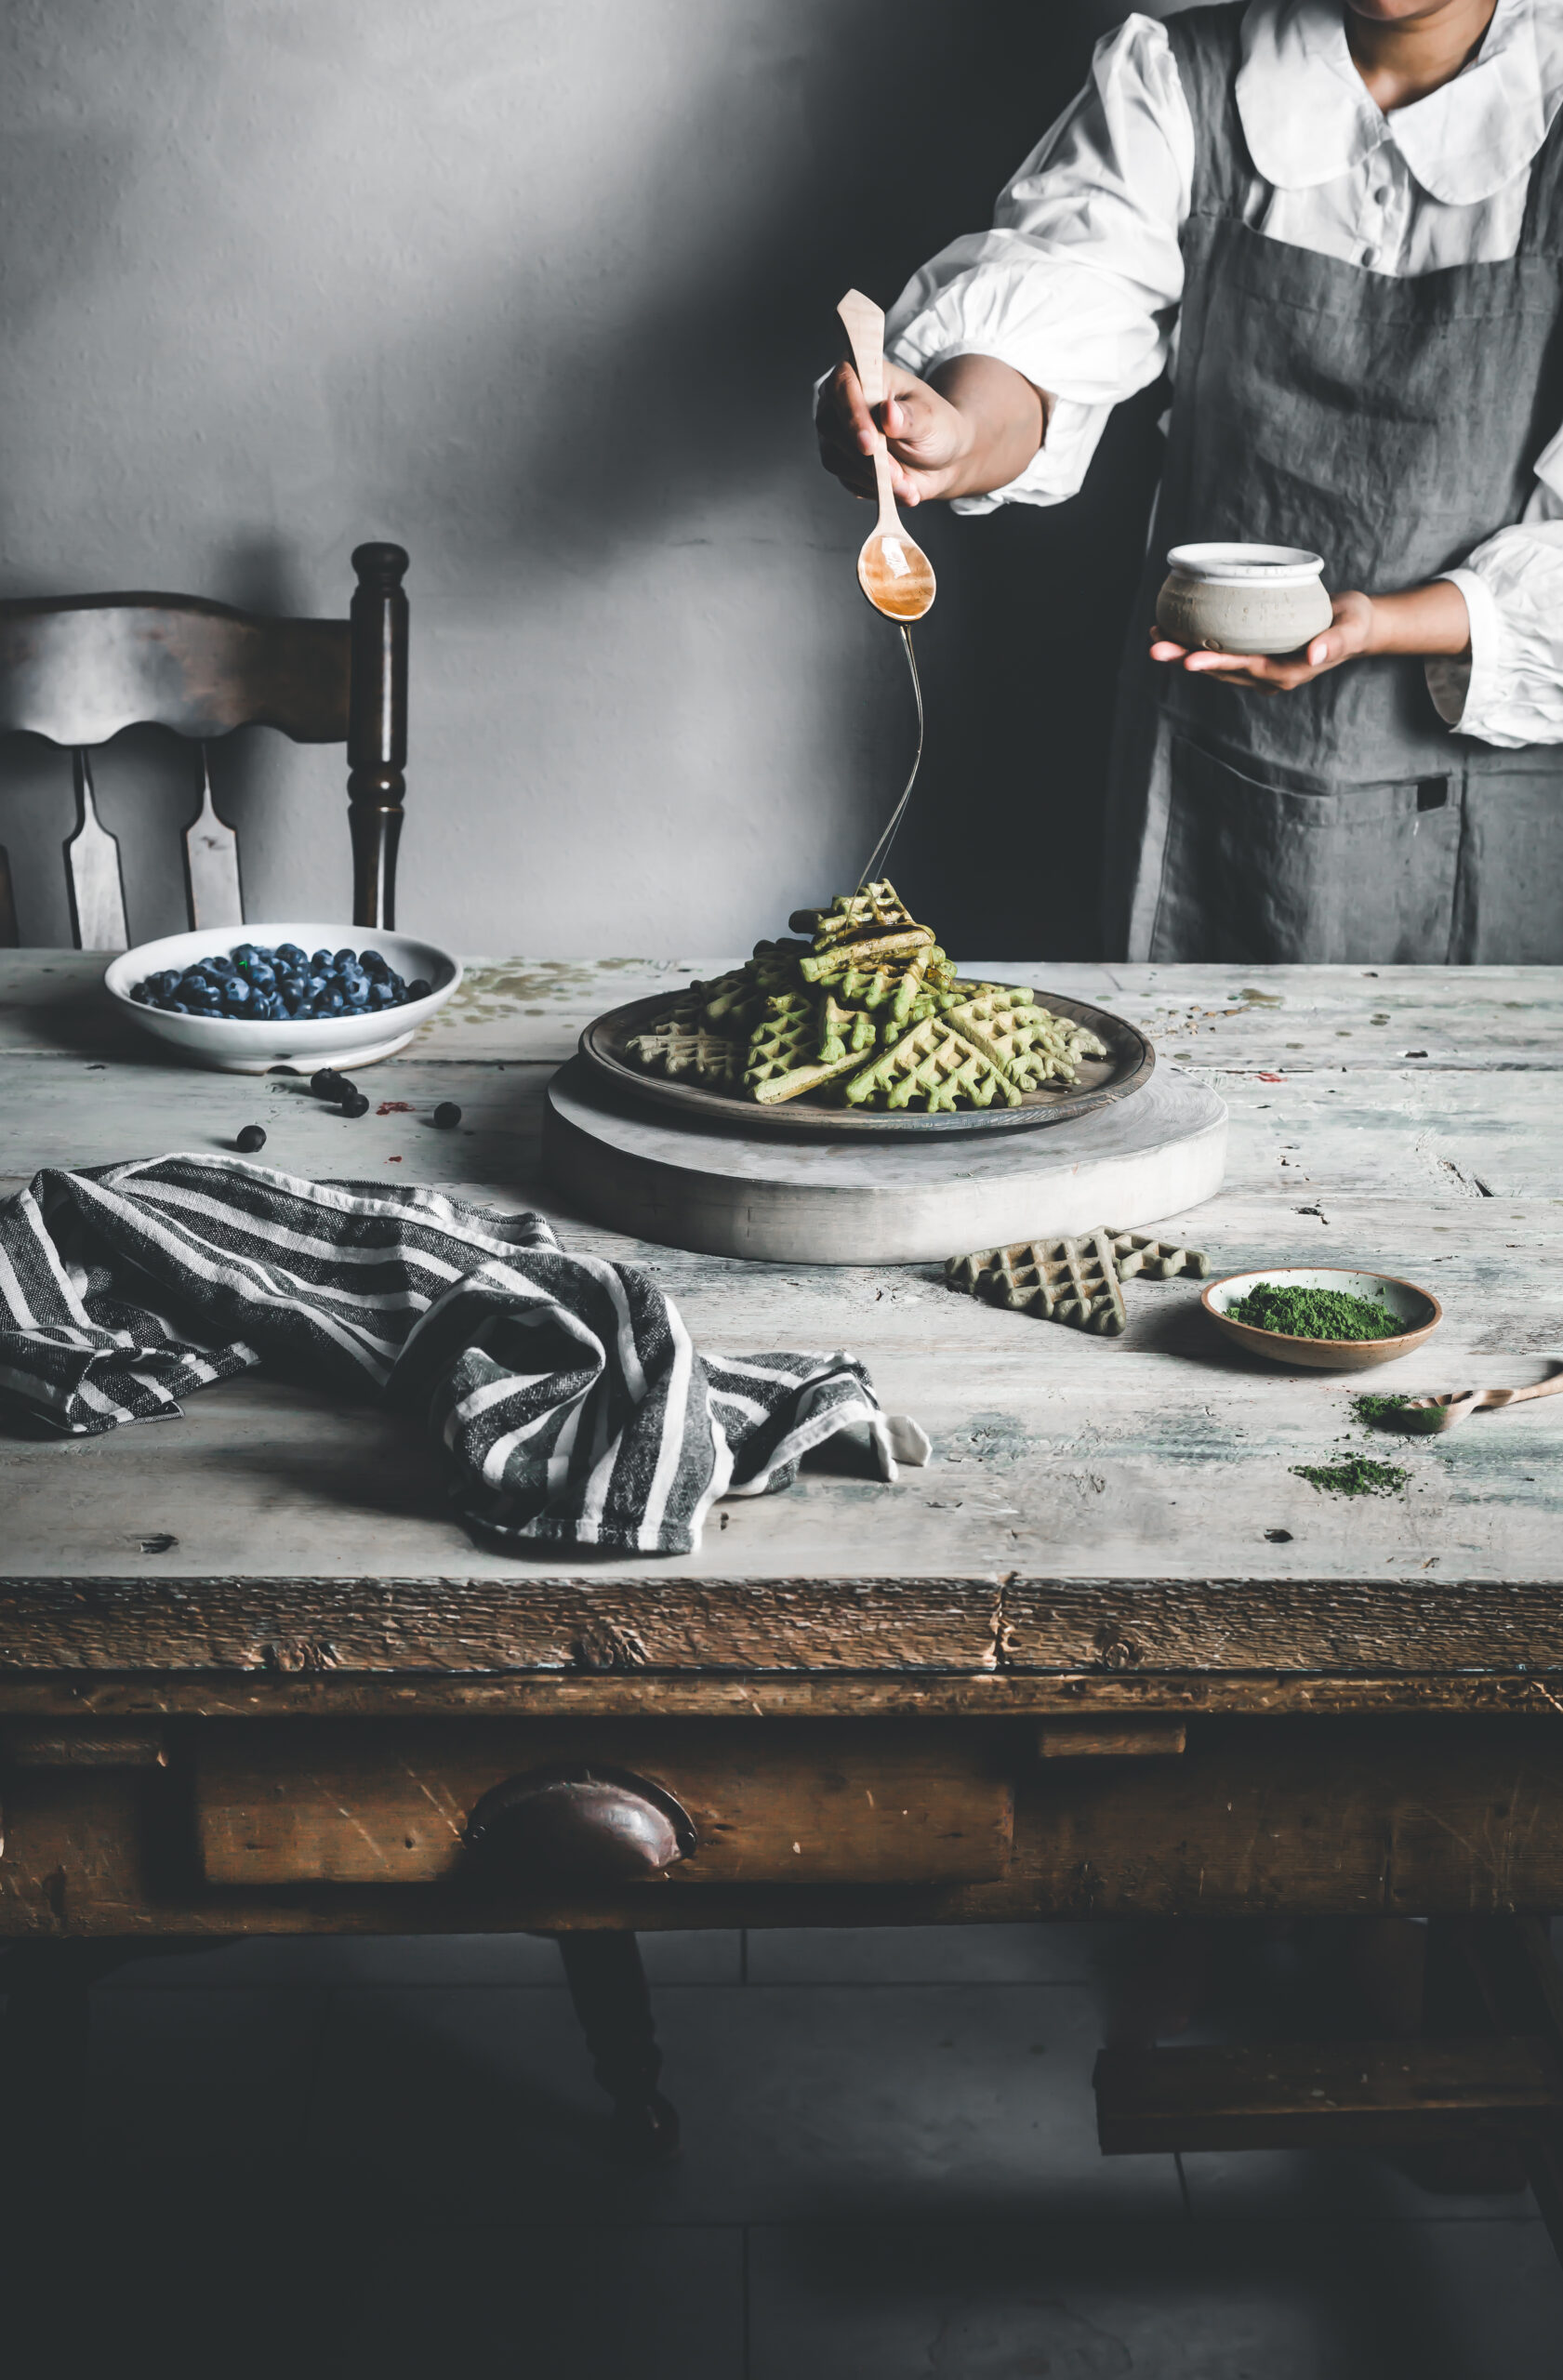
x=1314 y=1314
x=1357 y=1475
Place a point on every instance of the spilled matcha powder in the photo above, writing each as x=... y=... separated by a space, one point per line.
x=1398 y=1413
x=1357 y=1475
x=1314 y=1314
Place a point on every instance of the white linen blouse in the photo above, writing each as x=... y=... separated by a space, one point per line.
x=1077 y=283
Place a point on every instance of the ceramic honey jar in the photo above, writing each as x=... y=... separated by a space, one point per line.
x=1243 y=598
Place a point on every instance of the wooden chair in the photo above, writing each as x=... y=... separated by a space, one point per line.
x=77 y=668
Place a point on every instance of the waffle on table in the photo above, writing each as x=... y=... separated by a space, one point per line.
x=868 y=1010
x=1061 y=1280
x=1078 y=1281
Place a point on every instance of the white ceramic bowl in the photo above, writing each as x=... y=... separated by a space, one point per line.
x=1419 y=1309
x=250 y=1046
x=1244 y=598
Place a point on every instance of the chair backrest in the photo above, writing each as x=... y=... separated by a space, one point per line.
x=76 y=670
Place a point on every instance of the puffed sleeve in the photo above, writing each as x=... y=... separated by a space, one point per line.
x=1510 y=691
x=1078 y=281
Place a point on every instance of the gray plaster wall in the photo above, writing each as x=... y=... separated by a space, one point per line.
x=536 y=288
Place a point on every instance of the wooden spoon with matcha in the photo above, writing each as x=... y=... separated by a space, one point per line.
x=893 y=571
x=1430 y=1414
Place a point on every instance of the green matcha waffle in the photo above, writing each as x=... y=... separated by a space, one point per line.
x=1028 y=1044
x=843 y=1032
x=1158 y=1260
x=870 y=996
x=1061 y=1280
x=894 y=987
x=821 y=966
x=933 y=1067
x=731 y=1003
x=876 y=909
x=680 y=1043
x=781 y=1060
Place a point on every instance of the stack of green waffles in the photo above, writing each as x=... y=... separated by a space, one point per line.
x=868 y=1010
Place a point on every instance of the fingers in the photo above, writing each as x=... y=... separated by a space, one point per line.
x=1257 y=670
x=1336 y=644
x=915 y=427
x=849 y=437
x=1279 y=673
x=845 y=429
x=843 y=391
x=854 y=472
x=908 y=433
x=1269 y=675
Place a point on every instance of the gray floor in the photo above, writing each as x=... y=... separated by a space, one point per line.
x=387 y=2155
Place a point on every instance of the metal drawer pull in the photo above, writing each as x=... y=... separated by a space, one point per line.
x=588 y=1824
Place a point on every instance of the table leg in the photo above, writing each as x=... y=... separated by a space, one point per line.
x=1521 y=1988
x=1169 y=1984
x=608 y=1988
x=1455 y=2002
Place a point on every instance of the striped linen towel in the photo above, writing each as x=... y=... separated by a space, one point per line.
x=567 y=1387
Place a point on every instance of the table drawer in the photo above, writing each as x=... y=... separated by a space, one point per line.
x=378 y=1802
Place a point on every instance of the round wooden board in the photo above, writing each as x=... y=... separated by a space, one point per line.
x=1127 y=1068
x=684 y=1183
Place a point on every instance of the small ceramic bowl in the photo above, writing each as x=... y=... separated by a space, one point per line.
x=1243 y=598
x=246 y=1045
x=1419 y=1309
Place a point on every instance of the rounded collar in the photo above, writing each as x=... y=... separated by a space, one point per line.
x=1307 y=116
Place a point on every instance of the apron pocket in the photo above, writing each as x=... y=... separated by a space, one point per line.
x=1304 y=872
x=1511 y=875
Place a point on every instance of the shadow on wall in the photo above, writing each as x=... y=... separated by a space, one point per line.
x=539 y=291
x=646 y=416
x=1002 y=848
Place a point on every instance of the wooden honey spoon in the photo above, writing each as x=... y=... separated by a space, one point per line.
x=892 y=570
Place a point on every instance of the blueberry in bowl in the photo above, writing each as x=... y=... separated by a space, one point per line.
x=250 y=998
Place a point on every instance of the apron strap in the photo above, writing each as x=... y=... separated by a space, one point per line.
x=1542 y=233
x=1207 y=49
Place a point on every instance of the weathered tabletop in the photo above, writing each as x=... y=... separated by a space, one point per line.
x=1114 y=1519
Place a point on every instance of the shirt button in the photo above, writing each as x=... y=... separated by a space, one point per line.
x=1381 y=196
x=1370 y=255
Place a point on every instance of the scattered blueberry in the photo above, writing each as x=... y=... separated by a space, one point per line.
x=355 y=1103
x=327 y=1083
x=256 y=982
x=250 y=1138
x=447 y=1115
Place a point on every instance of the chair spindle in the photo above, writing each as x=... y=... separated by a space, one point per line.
x=92 y=872
x=212 y=890
x=377 y=730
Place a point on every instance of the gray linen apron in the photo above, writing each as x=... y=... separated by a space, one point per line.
x=1389 y=425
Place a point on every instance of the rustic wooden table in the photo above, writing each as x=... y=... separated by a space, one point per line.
x=1107 y=1653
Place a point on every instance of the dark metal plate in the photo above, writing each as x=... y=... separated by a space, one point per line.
x=1126 y=1068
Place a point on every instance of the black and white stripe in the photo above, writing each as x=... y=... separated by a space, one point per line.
x=566 y=1388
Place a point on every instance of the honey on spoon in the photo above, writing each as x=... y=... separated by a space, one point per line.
x=892 y=570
